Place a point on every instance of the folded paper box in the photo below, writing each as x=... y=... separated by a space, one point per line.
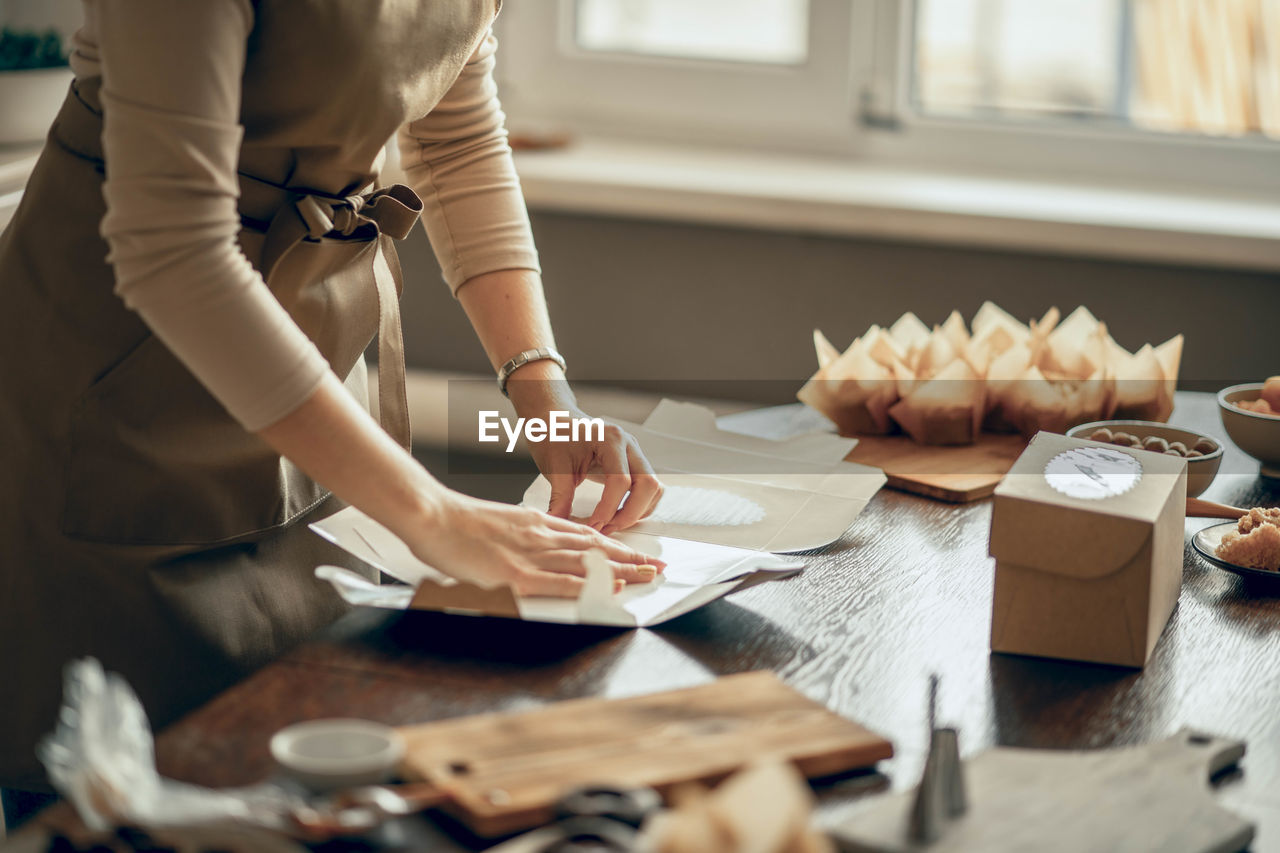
x=730 y=501
x=1088 y=542
x=743 y=491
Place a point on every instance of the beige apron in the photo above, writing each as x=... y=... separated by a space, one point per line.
x=139 y=522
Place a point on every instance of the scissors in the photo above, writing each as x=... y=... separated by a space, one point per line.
x=597 y=819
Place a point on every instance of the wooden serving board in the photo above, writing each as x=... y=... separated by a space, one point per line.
x=1147 y=798
x=498 y=773
x=956 y=474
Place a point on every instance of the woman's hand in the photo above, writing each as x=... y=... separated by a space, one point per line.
x=495 y=544
x=509 y=314
x=616 y=460
x=335 y=441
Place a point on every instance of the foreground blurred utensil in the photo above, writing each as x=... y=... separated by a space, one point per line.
x=940 y=797
x=1134 y=799
x=359 y=810
x=1197 y=508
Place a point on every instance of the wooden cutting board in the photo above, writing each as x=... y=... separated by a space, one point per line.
x=498 y=773
x=956 y=474
x=1147 y=798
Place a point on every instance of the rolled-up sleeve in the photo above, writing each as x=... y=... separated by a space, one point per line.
x=458 y=160
x=172 y=72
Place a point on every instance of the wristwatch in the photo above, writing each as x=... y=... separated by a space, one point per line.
x=521 y=359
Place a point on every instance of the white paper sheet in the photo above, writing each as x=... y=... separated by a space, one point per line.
x=739 y=490
x=786 y=432
x=780 y=423
x=696 y=573
x=731 y=499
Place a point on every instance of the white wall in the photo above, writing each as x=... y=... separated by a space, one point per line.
x=637 y=302
x=64 y=15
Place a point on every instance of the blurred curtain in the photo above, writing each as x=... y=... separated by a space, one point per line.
x=1210 y=66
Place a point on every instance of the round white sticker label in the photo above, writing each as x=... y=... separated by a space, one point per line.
x=1093 y=473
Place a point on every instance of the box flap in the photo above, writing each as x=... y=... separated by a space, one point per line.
x=1080 y=508
x=1066 y=541
x=465 y=598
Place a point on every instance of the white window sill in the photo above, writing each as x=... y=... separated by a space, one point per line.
x=827 y=196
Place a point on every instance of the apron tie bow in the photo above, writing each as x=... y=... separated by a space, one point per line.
x=387 y=212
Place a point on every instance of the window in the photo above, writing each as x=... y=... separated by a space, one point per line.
x=1153 y=90
x=767 y=31
x=1186 y=67
x=711 y=70
x=990 y=58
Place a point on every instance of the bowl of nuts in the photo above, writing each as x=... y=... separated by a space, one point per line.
x=1203 y=454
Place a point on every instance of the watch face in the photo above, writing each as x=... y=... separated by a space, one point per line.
x=1093 y=473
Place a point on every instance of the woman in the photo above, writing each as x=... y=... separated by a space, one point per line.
x=197 y=264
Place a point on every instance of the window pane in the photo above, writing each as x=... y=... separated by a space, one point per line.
x=771 y=31
x=1211 y=66
x=1202 y=66
x=1046 y=56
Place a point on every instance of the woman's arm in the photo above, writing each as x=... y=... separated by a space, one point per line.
x=171 y=77
x=171 y=92
x=336 y=442
x=458 y=160
x=509 y=313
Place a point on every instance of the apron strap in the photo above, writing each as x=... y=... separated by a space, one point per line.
x=378 y=216
x=393 y=401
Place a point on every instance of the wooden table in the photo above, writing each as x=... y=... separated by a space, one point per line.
x=906 y=592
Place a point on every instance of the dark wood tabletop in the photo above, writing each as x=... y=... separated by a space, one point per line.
x=904 y=593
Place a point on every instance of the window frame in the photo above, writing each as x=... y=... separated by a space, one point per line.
x=1099 y=150
x=545 y=77
x=851 y=98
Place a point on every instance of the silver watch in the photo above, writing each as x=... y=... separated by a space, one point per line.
x=521 y=359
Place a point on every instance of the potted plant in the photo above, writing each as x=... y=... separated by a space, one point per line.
x=33 y=81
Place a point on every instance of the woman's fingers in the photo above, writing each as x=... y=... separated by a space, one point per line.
x=616 y=487
x=583 y=538
x=575 y=563
x=617 y=482
x=615 y=550
x=564 y=525
x=557 y=584
x=646 y=491
x=563 y=486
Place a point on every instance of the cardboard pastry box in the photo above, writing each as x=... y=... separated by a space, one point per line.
x=1088 y=541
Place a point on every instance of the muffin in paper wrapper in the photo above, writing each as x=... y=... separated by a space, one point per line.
x=946 y=385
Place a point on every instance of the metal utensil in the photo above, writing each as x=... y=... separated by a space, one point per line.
x=941 y=796
x=359 y=810
x=600 y=818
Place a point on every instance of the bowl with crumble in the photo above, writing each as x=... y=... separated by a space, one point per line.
x=1251 y=417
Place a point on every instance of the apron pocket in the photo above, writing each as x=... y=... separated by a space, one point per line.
x=155 y=460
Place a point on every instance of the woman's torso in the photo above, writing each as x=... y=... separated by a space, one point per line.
x=86 y=389
x=327 y=82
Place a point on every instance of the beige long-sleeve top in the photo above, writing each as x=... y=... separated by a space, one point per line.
x=172 y=96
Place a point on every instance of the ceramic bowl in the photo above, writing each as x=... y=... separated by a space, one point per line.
x=326 y=755
x=1200 y=469
x=1257 y=435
